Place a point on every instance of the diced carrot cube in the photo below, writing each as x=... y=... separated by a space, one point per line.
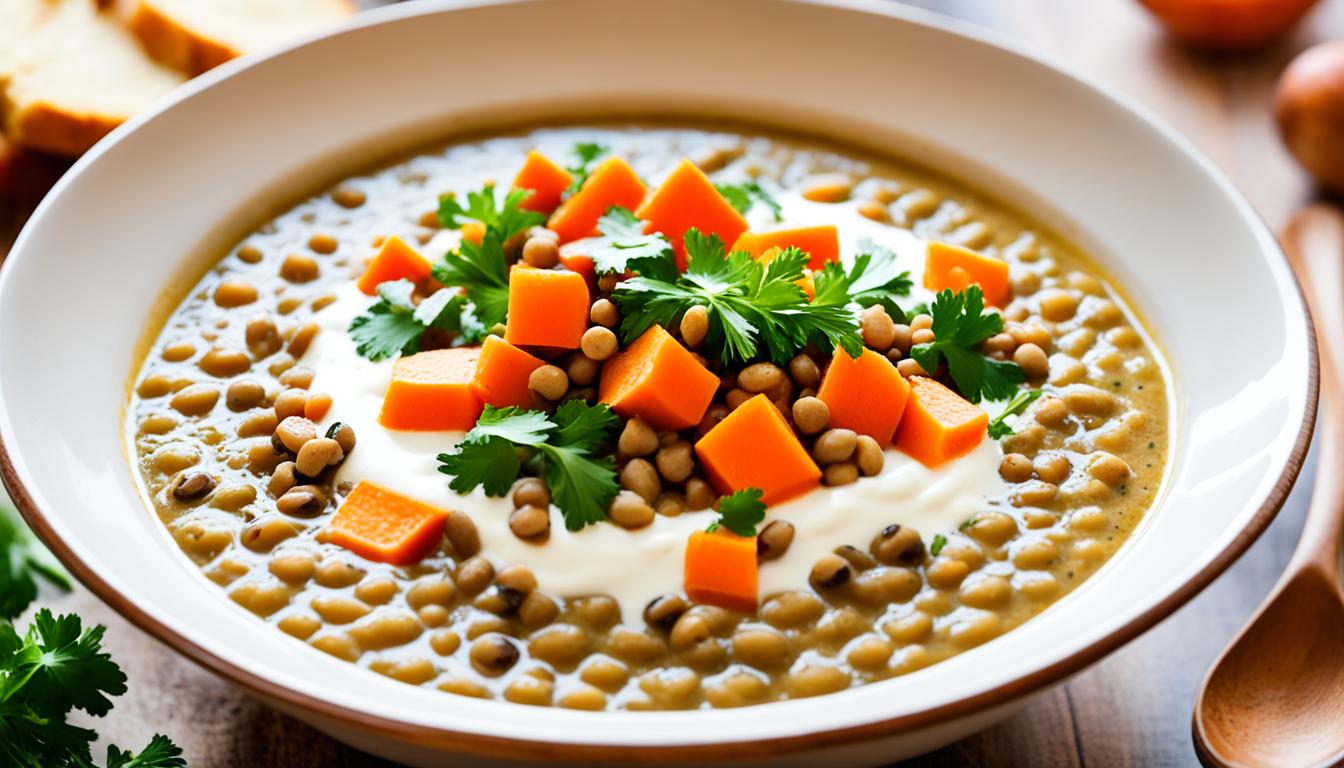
x=866 y=395
x=574 y=256
x=753 y=447
x=721 y=569
x=395 y=260
x=501 y=374
x=955 y=267
x=431 y=391
x=384 y=526
x=613 y=183
x=686 y=199
x=821 y=243
x=939 y=425
x=658 y=380
x=547 y=308
x=547 y=181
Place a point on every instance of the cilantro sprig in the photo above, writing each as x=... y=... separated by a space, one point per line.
x=585 y=154
x=998 y=426
x=960 y=324
x=23 y=563
x=740 y=512
x=563 y=449
x=744 y=195
x=623 y=240
x=482 y=269
x=55 y=667
x=395 y=325
x=755 y=309
x=872 y=278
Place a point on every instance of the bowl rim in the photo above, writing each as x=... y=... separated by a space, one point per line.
x=293 y=699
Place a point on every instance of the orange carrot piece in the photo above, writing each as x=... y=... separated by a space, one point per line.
x=547 y=181
x=431 y=391
x=658 y=380
x=866 y=395
x=547 y=308
x=501 y=374
x=720 y=569
x=687 y=198
x=822 y=243
x=939 y=425
x=317 y=406
x=611 y=183
x=955 y=267
x=473 y=232
x=753 y=447
x=384 y=526
x=574 y=256
x=395 y=260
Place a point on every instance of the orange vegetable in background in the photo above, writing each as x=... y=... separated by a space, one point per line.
x=431 y=391
x=547 y=181
x=687 y=198
x=658 y=380
x=939 y=425
x=1309 y=107
x=1229 y=26
x=612 y=183
x=866 y=395
x=754 y=447
x=822 y=243
x=721 y=569
x=547 y=308
x=955 y=267
x=501 y=374
x=395 y=260
x=473 y=232
x=384 y=526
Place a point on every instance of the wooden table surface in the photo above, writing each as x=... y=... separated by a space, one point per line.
x=1132 y=708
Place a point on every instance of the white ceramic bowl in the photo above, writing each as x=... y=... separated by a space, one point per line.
x=127 y=220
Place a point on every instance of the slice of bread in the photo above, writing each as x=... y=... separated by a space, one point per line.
x=193 y=36
x=73 y=75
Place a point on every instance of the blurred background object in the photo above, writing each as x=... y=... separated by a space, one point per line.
x=1309 y=105
x=1228 y=26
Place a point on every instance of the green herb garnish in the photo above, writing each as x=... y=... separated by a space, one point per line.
x=394 y=325
x=586 y=153
x=746 y=194
x=23 y=563
x=998 y=426
x=622 y=240
x=939 y=541
x=562 y=449
x=740 y=512
x=960 y=324
x=873 y=278
x=755 y=309
x=54 y=668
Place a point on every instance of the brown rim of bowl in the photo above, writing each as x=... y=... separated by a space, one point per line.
x=494 y=746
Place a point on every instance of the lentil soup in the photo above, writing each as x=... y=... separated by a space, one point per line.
x=697 y=419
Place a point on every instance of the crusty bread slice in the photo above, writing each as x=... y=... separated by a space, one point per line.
x=195 y=35
x=73 y=76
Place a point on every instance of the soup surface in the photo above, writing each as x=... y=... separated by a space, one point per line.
x=781 y=501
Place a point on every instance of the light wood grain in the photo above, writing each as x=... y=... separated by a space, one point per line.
x=1133 y=709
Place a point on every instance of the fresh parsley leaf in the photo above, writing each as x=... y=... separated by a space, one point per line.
x=159 y=753
x=586 y=153
x=482 y=269
x=998 y=426
x=508 y=219
x=23 y=563
x=623 y=241
x=394 y=325
x=939 y=541
x=564 y=450
x=960 y=324
x=741 y=512
x=746 y=194
x=755 y=308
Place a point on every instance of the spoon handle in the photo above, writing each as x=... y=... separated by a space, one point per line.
x=1314 y=244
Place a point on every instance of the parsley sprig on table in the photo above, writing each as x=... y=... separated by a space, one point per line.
x=586 y=153
x=23 y=563
x=482 y=270
x=960 y=324
x=623 y=240
x=394 y=325
x=563 y=449
x=56 y=667
x=998 y=426
x=740 y=512
x=755 y=309
x=744 y=195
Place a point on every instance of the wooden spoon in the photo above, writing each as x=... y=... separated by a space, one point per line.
x=1276 y=695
